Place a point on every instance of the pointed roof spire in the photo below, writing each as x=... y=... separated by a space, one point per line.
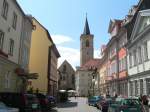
x=86 y=27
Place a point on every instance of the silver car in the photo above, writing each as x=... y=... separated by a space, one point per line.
x=4 y=108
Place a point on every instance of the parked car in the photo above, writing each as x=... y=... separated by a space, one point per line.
x=25 y=102
x=104 y=104
x=127 y=105
x=43 y=101
x=51 y=101
x=4 y=108
x=94 y=99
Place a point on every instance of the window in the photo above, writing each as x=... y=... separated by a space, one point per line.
x=130 y=59
x=14 y=23
x=1 y=39
x=148 y=86
x=141 y=86
x=136 y=87
x=113 y=68
x=122 y=64
x=64 y=68
x=87 y=43
x=5 y=9
x=131 y=88
x=11 y=49
x=145 y=51
x=134 y=57
x=139 y=55
x=7 y=80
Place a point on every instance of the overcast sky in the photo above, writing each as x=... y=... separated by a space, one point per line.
x=65 y=21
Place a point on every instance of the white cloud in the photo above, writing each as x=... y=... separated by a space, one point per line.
x=70 y=54
x=97 y=54
x=60 y=39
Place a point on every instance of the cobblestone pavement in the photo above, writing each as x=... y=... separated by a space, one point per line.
x=75 y=105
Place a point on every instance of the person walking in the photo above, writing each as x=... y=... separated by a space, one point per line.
x=145 y=103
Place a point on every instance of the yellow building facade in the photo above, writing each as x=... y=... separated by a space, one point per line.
x=103 y=77
x=39 y=52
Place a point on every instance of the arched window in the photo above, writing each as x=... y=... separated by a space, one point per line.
x=87 y=43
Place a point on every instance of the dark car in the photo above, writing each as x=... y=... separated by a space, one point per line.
x=93 y=100
x=51 y=101
x=104 y=104
x=43 y=101
x=25 y=102
x=127 y=105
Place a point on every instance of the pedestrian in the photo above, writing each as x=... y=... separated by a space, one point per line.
x=37 y=90
x=75 y=95
x=116 y=95
x=145 y=103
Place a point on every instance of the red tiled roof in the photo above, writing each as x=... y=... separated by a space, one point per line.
x=91 y=64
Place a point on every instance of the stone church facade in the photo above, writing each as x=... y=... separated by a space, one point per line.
x=66 y=76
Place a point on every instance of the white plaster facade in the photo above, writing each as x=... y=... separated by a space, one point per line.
x=83 y=82
x=9 y=79
x=9 y=31
x=139 y=56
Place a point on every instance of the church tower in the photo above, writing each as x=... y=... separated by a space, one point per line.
x=86 y=45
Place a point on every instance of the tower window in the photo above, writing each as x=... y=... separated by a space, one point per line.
x=87 y=43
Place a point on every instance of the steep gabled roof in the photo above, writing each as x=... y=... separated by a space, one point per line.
x=143 y=27
x=64 y=63
x=91 y=64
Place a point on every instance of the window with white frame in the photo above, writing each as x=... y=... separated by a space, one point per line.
x=145 y=51
x=1 y=39
x=134 y=57
x=14 y=22
x=113 y=68
x=122 y=64
x=11 y=48
x=130 y=59
x=7 y=79
x=5 y=9
x=139 y=55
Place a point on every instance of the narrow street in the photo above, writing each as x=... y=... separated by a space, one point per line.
x=75 y=105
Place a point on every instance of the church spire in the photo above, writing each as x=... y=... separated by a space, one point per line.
x=86 y=27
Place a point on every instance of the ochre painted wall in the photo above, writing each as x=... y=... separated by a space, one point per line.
x=39 y=57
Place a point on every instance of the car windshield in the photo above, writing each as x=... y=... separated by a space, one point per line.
x=93 y=98
x=131 y=102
